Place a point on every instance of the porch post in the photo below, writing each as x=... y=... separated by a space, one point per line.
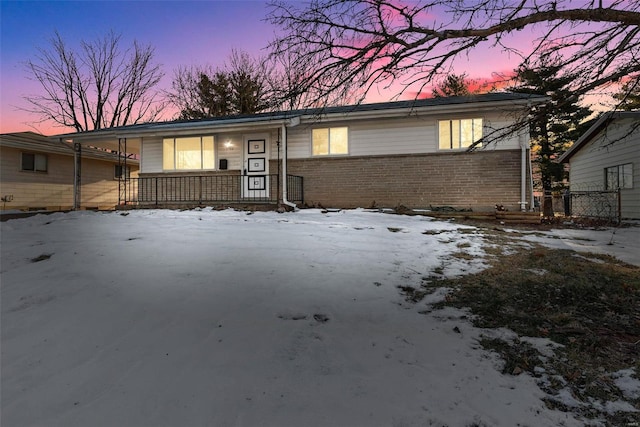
x=77 y=176
x=122 y=165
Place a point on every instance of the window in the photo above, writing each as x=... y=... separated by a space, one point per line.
x=329 y=141
x=117 y=172
x=459 y=133
x=34 y=162
x=620 y=176
x=190 y=153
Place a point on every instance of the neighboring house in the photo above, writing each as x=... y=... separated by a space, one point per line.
x=607 y=158
x=38 y=173
x=410 y=153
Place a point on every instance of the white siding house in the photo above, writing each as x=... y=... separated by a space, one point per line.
x=411 y=153
x=607 y=157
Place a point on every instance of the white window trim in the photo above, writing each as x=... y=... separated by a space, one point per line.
x=329 y=148
x=174 y=138
x=35 y=155
x=449 y=119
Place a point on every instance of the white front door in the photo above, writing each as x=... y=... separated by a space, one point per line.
x=255 y=180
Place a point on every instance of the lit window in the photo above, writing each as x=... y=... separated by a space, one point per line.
x=459 y=133
x=328 y=141
x=34 y=162
x=189 y=153
x=620 y=176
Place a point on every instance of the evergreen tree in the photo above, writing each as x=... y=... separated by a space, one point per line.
x=453 y=85
x=629 y=96
x=241 y=87
x=555 y=125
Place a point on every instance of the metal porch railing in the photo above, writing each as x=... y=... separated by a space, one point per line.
x=206 y=189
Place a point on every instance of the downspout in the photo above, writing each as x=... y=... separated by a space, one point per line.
x=532 y=200
x=284 y=168
x=523 y=174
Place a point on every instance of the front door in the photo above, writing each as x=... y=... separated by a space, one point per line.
x=255 y=180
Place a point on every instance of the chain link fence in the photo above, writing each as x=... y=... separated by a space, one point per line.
x=589 y=202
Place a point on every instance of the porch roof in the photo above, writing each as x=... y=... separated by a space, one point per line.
x=31 y=141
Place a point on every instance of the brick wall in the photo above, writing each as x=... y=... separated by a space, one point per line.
x=478 y=180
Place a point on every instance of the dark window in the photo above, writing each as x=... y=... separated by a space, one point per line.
x=117 y=172
x=620 y=176
x=34 y=162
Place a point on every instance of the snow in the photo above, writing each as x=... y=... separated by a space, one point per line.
x=628 y=382
x=224 y=318
x=620 y=242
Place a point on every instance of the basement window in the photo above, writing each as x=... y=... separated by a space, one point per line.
x=459 y=133
x=34 y=162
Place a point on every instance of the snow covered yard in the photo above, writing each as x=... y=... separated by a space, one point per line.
x=224 y=318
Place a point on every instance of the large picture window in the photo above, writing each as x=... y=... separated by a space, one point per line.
x=459 y=133
x=188 y=153
x=620 y=176
x=330 y=141
x=34 y=162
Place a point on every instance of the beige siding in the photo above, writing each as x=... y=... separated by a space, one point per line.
x=36 y=189
x=99 y=186
x=589 y=163
x=54 y=189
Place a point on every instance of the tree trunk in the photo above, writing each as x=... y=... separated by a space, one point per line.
x=547 y=204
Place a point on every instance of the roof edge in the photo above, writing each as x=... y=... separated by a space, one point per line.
x=604 y=120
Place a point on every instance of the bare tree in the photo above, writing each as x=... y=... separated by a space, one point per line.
x=98 y=86
x=347 y=45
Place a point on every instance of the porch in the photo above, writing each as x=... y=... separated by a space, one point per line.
x=207 y=189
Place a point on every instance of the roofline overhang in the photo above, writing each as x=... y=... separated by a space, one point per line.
x=431 y=110
x=27 y=146
x=603 y=121
x=169 y=128
x=293 y=119
x=63 y=151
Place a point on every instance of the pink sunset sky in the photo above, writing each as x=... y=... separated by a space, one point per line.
x=183 y=33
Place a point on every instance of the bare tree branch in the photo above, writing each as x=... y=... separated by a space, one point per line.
x=97 y=86
x=348 y=47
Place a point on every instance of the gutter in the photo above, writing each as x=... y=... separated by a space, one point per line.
x=294 y=122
